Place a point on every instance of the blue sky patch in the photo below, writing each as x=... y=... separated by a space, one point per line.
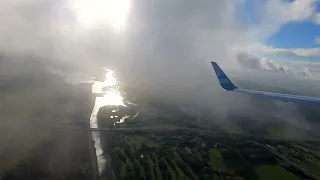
x=295 y=35
x=291 y=34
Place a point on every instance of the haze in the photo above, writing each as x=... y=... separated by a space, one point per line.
x=160 y=52
x=163 y=46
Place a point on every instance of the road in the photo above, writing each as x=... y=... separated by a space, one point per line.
x=152 y=129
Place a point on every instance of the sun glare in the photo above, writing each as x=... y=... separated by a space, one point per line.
x=96 y=13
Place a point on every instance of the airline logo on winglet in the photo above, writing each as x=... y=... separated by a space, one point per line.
x=222 y=76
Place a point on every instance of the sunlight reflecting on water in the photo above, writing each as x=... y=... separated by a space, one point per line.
x=110 y=96
x=123 y=118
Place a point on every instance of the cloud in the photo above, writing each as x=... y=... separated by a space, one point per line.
x=260 y=48
x=299 y=69
x=317 y=18
x=318 y=40
x=285 y=11
x=299 y=10
x=275 y=13
x=165 y=37
x=51 y=26
x=167 y=46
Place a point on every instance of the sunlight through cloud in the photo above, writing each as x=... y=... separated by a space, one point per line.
x=96 y=13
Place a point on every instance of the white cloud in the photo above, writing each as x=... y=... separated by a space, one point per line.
x=300 y=69
x=299 y=10
x=284 y=11
x=318 y=40
x=174 y=34
x=275 y=13
x=160 y=36
x=300 y=52
x=317 y=18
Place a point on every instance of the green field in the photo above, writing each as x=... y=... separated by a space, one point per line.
x=267 y=172
x=284 y=134
x=233 y=128
x=216 y=159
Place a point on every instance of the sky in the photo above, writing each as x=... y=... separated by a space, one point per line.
x=285 y=35
x=296 y=32
x=299 y=31
x=280 y=36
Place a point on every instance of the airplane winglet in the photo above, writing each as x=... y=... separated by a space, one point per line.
x=223 y=78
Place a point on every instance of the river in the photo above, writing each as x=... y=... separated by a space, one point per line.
x=108 y=95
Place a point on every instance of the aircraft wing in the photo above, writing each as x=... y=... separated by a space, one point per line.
x=229 y=86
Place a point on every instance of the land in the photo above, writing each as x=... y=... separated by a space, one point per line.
x=162 y=141
x=36 y=111
x=44 y=134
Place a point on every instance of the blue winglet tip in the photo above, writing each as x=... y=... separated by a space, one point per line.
x=223 y=78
